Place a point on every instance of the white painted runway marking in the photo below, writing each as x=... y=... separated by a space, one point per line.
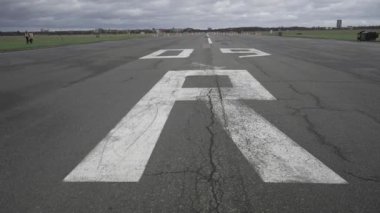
x=209 y=40
x=183 y=53
x=252 y=51
x=205 y=66
x=123 y=154
x=275 y=156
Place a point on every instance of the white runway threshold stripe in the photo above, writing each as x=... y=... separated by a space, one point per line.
x=124 y=153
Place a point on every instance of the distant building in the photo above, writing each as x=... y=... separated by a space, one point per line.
x=339 y=23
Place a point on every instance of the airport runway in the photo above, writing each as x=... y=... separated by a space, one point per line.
x=191 y=124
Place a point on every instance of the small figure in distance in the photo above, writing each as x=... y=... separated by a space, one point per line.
x=26 y=35
x=30 y=37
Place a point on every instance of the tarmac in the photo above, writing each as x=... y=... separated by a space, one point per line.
x=312 y=107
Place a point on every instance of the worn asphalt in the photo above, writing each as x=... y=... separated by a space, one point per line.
x=57 y=104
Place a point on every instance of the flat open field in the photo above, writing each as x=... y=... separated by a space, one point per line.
x=347 y=35
x=10 y=43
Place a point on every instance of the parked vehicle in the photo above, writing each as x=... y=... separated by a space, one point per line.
x=367 y=36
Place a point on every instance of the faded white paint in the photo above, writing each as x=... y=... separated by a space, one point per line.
x=183 y=53
x=123 y=154
x=202 y=66
x=253 y=52
x=275 y=156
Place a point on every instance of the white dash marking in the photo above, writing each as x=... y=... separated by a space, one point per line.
x=209 y=40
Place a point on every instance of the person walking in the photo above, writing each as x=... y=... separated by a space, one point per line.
x=31 y=38
x=26 y=35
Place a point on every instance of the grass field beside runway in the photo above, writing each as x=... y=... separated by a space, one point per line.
x=346 y=35
x=11 y=43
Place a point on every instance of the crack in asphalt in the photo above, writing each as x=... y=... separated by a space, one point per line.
x=213 y=178
x=244 y=193
x=323 y=140
x=225 y=121
x=128 y=79
x=312 y=128
x=206 y=179
x=185 y=171
x=373 y=118
x=261 y=69
x=367 y=179
x=333 y=67
x=314 y=97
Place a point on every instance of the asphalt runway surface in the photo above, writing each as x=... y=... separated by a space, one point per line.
x=300 y=134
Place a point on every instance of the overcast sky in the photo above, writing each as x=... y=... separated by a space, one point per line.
x=130 y=14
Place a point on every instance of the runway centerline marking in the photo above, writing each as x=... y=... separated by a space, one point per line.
x=183 y=53
x=123 y=154
x=251 y=51
x=209 y=40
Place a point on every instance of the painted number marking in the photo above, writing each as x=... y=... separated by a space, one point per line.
x=251 y=51
x=182 y=53
x=124 y=153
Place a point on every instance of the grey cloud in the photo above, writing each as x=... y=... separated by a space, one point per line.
x=185 y=13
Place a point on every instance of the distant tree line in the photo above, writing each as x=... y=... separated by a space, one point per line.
x=175 y=30
x=254 y=29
